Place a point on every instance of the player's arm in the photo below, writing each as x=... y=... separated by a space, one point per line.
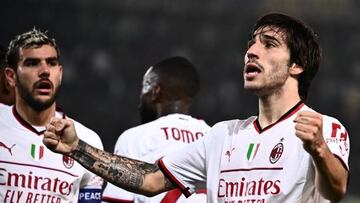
x=132 y=175
x=112 y=193
x=91 y=184
x=331 y=175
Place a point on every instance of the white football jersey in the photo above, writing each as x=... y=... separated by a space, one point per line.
x=3 y=105
x=151 y=141
x=240 y=162
x=30 y=173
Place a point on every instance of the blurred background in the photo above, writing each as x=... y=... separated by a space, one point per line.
x=107 y=45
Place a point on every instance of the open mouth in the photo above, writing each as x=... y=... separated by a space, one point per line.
x=44 y=86
x=251 y=70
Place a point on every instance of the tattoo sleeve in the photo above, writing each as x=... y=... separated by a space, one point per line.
x=126 y=173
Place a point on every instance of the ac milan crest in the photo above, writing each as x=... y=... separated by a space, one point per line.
x=68 y=162
x=276 y=153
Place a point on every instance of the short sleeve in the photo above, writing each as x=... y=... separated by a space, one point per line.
x=337 y=139
x=186 y=167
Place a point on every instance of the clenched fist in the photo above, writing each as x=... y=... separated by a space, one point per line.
x=60 y=136
x=309 y=128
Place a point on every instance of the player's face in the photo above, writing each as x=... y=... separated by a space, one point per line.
x=147 y=105
x=266 y=62
x=38 y=76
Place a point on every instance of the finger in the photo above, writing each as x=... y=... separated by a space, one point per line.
x=305 y=131
x=302 y=135
x=49 y=141
x=53 y=120
x=59 y=125
x=302 y=127
x=50 y=127
x=308 y=120
x=67 y=122
x=50 y=135
x=306 y=128
x=302 y=119
x=311 y=114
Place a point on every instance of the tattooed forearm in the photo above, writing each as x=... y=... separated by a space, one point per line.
x=121 y=171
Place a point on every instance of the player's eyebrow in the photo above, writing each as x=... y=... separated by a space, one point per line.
x=53 y=58
x=31 y=59
x=36 y=60
x=266 y=37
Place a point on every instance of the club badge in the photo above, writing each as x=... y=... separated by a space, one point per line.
x=276 y=152
x=68 y=162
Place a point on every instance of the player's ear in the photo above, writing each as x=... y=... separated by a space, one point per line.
x=155 y=92
x=10 y=76
x=61 y=74
x=295 y=69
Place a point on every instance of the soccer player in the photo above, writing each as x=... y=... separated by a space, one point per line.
x=7 y=93
x=29 y=172
x=167 y=93
x=287 y=153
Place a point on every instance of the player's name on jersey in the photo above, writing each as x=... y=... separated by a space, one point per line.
x=183 y=135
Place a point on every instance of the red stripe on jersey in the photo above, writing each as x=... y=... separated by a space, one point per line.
x=27 y=125
x=171 y=196
x=252 y=169
x=115 y=200
x=167 y=173
x=288 y=114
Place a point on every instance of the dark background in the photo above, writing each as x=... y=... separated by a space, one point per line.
x=107 y=45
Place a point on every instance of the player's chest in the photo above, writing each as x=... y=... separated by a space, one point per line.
x=258 y=166
x=23 y=153
x=272 y=149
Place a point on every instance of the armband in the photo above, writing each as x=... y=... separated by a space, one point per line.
x=90 y=195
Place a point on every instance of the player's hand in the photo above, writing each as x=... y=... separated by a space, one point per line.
x=60 y=136
x=309 y=128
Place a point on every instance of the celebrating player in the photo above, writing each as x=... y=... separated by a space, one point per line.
x=29 y=172
x=166 y=97
x=288 y=153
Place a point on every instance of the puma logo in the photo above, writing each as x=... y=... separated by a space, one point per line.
x=229 y=153
x=6 y=147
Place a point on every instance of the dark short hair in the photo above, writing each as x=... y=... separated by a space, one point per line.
x=2 y=57
x=31 y=39
x=302 y=43
x=178 y=77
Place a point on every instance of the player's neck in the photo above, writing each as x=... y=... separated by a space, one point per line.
x=33 y=117
x=6 y=98
x=273 y=106
x=171 y=107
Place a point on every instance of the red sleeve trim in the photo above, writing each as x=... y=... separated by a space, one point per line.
x=115 y=200
x=173 y=179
